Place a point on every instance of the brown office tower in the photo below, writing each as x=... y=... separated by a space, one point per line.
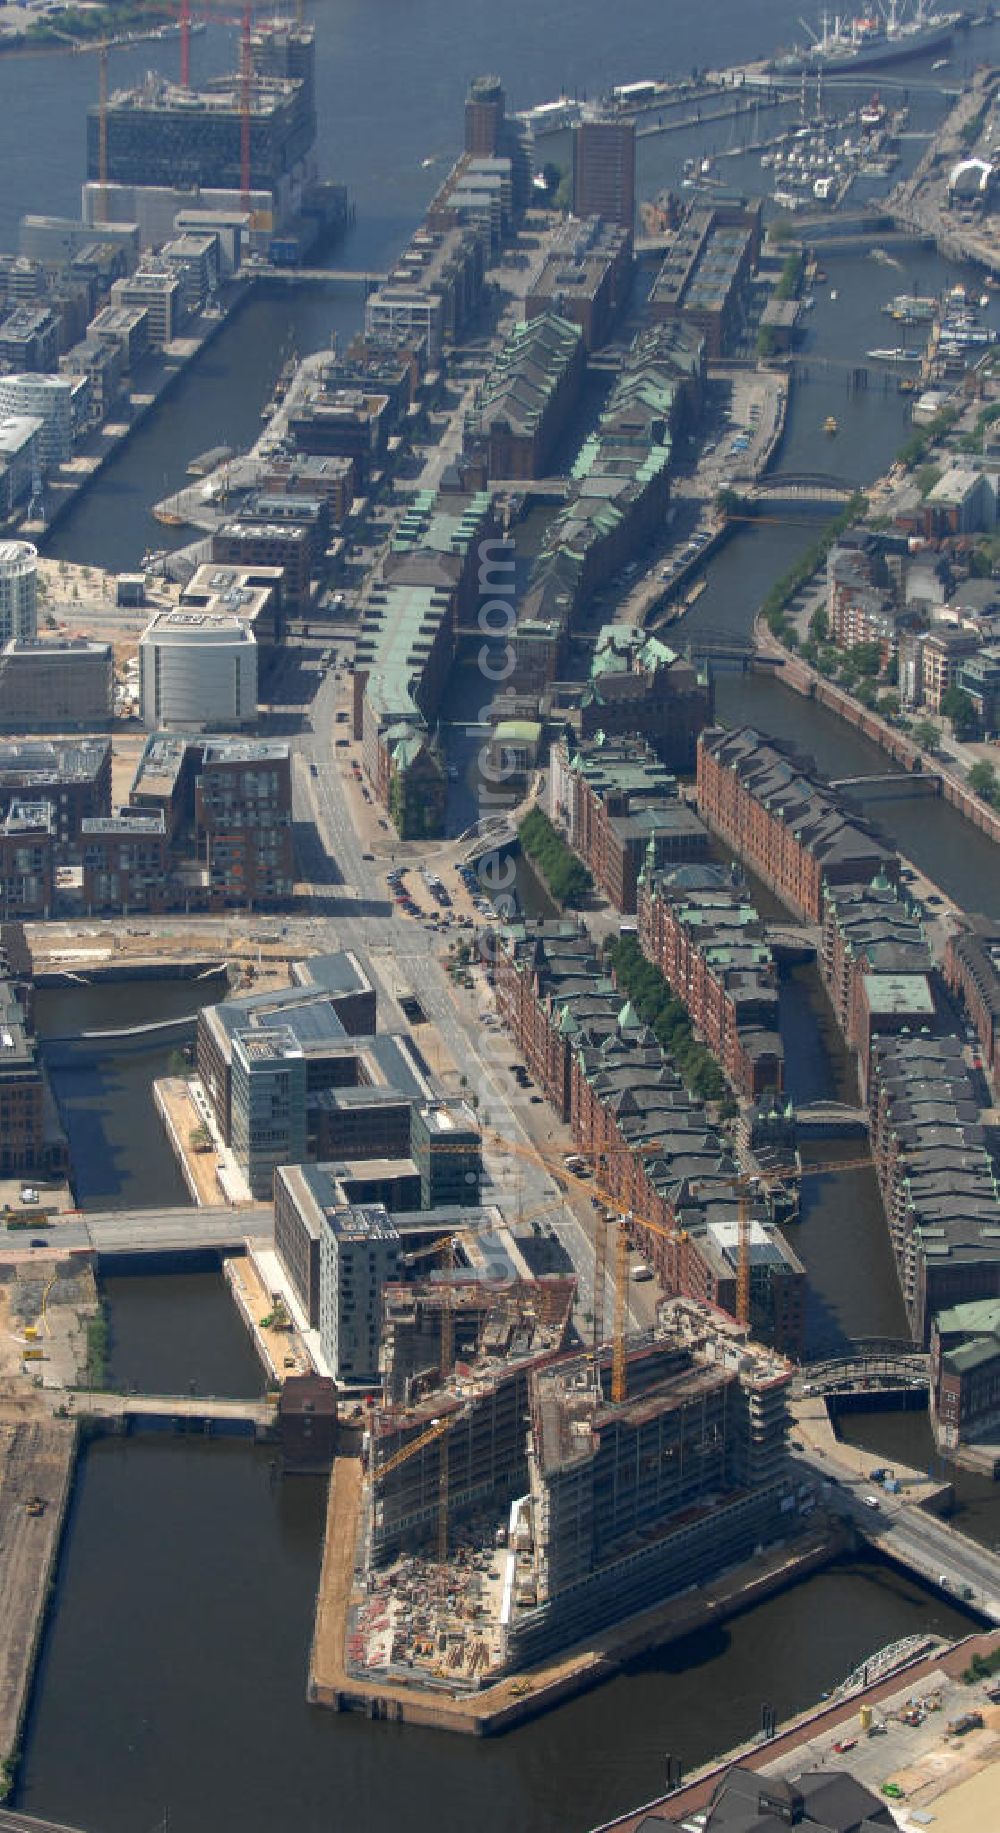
x=604 y=170
x=485 y=114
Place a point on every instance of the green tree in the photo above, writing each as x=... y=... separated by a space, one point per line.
x=958 y=706
x=982 y=780
x=819 y=625
x=926 y=735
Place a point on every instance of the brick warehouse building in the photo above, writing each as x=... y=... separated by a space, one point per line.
x=762 y=798
x=708 y=943
x=654 y=1147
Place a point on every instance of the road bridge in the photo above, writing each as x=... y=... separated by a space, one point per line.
x=222 y=1228
x=879 y=1365
x=327 y=276
x=707 y=643
x=793 y=942
x=181 y=1411
x=830 y=1119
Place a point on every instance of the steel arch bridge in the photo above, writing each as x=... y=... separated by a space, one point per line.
x=868 y=1365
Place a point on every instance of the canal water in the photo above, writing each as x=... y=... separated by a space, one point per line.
x=173 y=1675
x=892 y=1435
x=178 y=1333
x=119 y=1151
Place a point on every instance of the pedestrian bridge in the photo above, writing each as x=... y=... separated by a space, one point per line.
x=801 y=486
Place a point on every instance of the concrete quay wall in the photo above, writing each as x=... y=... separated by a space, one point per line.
x=520 y=1697
x=805 y=681
x=37 y=1456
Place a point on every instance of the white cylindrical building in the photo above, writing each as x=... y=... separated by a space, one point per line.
x=197 y=672
x=18 y=590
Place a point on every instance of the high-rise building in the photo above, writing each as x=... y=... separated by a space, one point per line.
x=268 y=1105
x=359 y=1252
x=490 y=135
x=18 y=590
x=485 y=116
x=445 y=1145
x=604 y=170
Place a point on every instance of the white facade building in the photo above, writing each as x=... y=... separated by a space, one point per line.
x=18 y=590
x=197 y=672
x=50 y=400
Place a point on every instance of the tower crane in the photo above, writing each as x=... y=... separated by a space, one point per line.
x=744 y=1185
x=102 y=132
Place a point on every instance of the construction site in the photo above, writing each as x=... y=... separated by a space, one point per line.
x=242 y=143
x=517 y=1505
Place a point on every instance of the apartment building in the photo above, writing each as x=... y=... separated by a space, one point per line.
x=73 y=776
x=47 y=398
x=243 y=812
x=29 y=338
x=126 y=863
x=20 y=453
x=708 y=942
x=762 y=798
x=27 y=861
x=943 y=652
x=250 y=542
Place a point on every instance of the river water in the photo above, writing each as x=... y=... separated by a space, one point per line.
x=173 y=1672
